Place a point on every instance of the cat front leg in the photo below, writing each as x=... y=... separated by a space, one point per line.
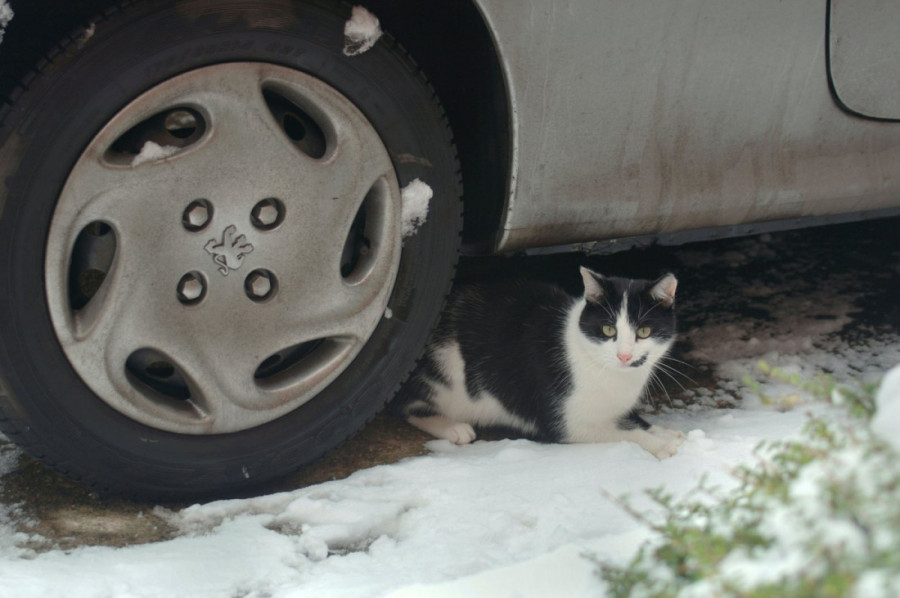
x=444 y=428
x=661 y=445
x=660 y=431
x=660 y=442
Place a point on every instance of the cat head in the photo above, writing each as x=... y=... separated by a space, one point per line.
x=631 y=322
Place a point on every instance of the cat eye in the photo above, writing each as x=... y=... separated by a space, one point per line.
x=609 y=331
x=644 y=332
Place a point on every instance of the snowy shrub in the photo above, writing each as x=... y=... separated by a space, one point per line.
x=816 y=516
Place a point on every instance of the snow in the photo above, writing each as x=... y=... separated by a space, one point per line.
x=886 y=421
x=152 y=151
x=488 y=515
x=563 y=572
x=6 y=15
x=415 y=197
x=507 y=517
x=361 y=32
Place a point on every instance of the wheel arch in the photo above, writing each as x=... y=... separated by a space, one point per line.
x=453 y=45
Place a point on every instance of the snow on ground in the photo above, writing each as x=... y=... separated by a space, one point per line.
x=886 y=422
x=445 y=517
x=498 y=518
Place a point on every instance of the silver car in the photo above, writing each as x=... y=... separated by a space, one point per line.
x=228 y=228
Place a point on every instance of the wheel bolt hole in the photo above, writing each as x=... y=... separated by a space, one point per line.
x=267 y=214
x=191 y=288
x=197 y=215
x=260 y=285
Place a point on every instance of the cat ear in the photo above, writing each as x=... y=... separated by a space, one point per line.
x=664 y=290
x=593 y=291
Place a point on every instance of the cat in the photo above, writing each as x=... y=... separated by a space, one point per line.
x=532 y=359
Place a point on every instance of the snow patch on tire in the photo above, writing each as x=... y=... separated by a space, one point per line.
x=6 y=15
x=415 y=197
x=361 y=32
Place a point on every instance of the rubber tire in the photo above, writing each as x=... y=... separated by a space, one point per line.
x=45 y=407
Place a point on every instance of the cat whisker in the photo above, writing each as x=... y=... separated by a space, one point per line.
x=646 y=313
x=670 y=358
x=655 y=380
x=671 y=370
x=669 y=373
x=609 y=311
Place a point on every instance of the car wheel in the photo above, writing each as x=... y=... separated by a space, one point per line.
x=205 y=284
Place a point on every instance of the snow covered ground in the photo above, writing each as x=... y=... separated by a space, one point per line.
x=511 y=517
x=505 y=517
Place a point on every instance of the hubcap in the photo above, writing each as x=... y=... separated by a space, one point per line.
x=224 y=248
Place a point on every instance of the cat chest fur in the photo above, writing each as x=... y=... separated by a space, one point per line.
x=602 y=392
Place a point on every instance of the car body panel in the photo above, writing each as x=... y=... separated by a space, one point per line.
x=654 y=117
x=863 y=51
x=650 y=119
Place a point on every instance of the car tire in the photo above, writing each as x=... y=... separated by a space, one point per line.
x=204 y=285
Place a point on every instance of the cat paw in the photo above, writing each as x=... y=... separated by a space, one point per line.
x=442 y=427
x=460 y=433
x=666 y=450
x=660 y=431
x=660 y=442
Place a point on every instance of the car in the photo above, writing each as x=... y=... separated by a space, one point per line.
x=227 y=229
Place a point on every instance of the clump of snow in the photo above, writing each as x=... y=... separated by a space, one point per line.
x=886 y=421
x=415 y=197
x=86 y=35
x=152 y=151
x=361 y=32
x=6 y=15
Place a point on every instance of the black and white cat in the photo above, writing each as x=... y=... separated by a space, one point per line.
x=531 y=358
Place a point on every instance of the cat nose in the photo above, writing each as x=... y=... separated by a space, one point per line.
x=624 y=357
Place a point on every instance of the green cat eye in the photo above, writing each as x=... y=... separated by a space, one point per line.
x=644 y=332
x=609 y=331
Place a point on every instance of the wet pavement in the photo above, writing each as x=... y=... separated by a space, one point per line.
x=842 y=282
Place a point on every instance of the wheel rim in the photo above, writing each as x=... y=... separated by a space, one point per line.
x=223 y=248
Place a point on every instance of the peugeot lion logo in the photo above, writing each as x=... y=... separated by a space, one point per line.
x=230 y=251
